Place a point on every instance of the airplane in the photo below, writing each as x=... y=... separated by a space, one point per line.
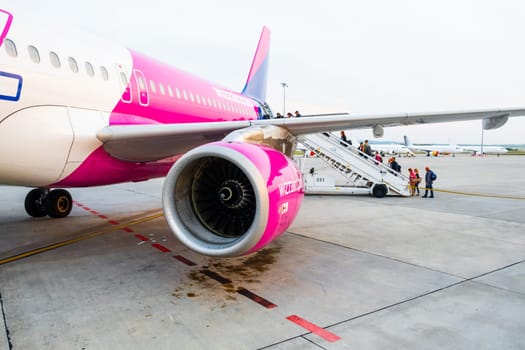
x=392 y=148
x=476 y=149
x=78 y=111
x=435 y=149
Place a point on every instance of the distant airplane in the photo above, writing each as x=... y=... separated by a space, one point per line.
x=435 y=149
x=476 y=149
x=77 y=111
x=392 y=148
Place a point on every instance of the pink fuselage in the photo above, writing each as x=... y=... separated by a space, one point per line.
x=184 y=98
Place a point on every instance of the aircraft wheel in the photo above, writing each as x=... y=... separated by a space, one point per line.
x=379 y=190
x=58 y=203
x=34 y=203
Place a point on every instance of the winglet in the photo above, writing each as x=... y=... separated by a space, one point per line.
x=407 y=141
x=257 y=79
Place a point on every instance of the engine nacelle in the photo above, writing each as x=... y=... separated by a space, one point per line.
x=229 y=199
x=495 y=121
x=378 y=130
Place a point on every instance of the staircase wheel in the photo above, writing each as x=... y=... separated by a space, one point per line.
x=379 y=190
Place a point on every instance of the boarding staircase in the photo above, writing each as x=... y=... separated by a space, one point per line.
x=362 y=173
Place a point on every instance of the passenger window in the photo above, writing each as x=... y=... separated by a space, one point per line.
x=89 y=69
x=198 y=98
x=123 y=79
x=170 y=91
x=153 y=86
x=10 y=47
x=73 y=64
x=185 y=95
x=161 y=88
x=177 y=91
x=33 y=54
x=55 y=60
x=142 y=83
x=104 y=72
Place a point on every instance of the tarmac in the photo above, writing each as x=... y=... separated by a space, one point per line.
x=352 y=272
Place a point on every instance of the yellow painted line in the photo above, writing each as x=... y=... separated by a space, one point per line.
x=80 y=238
x=475 y=194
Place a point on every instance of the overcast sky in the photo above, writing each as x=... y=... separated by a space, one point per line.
x=362 y=57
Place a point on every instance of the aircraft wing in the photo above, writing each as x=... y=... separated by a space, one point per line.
x=143 y=143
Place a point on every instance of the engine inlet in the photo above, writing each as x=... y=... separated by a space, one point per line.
x=223 y=198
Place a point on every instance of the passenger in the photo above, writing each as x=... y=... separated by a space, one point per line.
x=389 y=165
x=412 y=180
x=367 y=148
x=361 y=148
x=344 y=140
x=343 y=136
x=289 y=115
x=297 y=114
x=430 y=177
x=279 y=115
x=395 y=165
x=418 y=180
x=378 y=158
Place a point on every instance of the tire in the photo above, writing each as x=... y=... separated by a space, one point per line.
x=34 y=203
x=58 y=203
x=379 y=190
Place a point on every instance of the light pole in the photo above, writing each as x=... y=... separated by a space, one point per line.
x=481 y=148
x=284 y=85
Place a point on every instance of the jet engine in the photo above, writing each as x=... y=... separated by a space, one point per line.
x=228 y=199
x=496 y=121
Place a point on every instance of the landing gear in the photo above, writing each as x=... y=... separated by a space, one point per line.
x=58 y=203
x=34 y=203
x=42 y=202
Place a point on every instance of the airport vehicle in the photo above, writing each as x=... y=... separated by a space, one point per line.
x=334 y=167
x=434 y=149
x=77 y=111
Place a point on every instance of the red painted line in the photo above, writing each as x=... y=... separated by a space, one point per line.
x=113 y=222
x=259 y=300
x=103 y=216
x=127 y=229
x=214 y=275
x=86 y=208
x=184 y=260
x=161 y=247
x=142 y=238
x=323 y=333
x=94 y=212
